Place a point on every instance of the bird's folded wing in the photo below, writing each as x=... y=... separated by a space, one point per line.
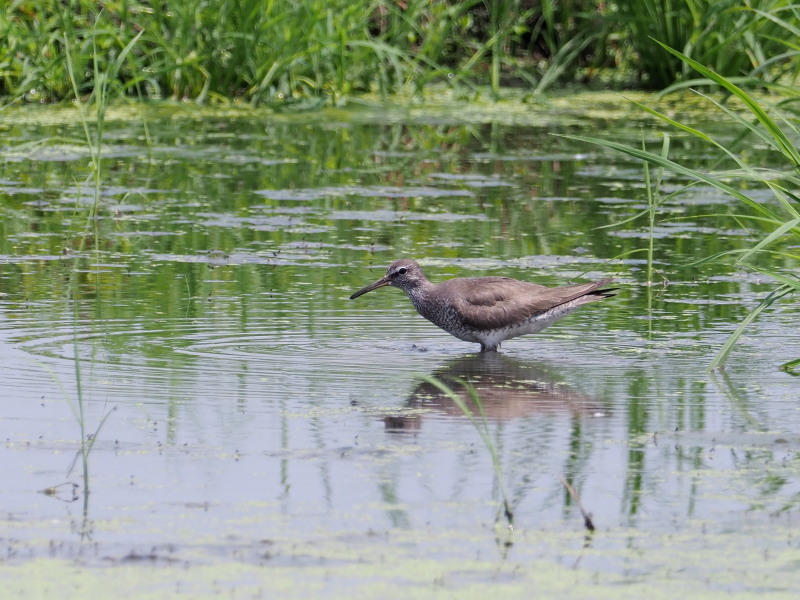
x=497 y=302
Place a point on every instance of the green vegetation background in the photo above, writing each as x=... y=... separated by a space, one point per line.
x=265 y=51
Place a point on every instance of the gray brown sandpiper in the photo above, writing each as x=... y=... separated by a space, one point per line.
x=487 y=310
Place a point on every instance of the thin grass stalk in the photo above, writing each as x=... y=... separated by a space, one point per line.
x=100 y=94
x=650 y=242
x=782 y=141
x=780 y=184
x=81 y=107
x=497 y=11
x=653 y=189
x=84 y=449
x=651 y=222
x=791 y=367
x=99 y=97
x=677 y=168
x=482 y=427
x=653 y=205
x=722 y=355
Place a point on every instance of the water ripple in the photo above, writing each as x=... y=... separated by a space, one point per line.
x=210 y=356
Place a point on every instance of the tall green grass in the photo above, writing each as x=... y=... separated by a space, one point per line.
x=267 y=50
x=735 y=38
x=773 y=255
x=264 y=51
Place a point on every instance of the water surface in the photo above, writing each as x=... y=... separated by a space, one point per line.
x=266 y=431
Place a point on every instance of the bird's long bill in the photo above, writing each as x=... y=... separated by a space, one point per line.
x=372 y=286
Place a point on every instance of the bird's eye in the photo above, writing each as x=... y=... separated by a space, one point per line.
x=402 y=271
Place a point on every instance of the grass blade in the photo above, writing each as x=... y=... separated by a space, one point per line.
x=785 y=145
x=677 y=168
x=772 y=237
x=776 y=294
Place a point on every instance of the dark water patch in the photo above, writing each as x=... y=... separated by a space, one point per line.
x=400 y=216
x=367 y=192
x=682 y=230
x=30 y=259
x=471 y=180
x=13 y=189
x=144 y=233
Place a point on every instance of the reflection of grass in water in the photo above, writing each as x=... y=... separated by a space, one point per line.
x=79 y=409
x=482 y=427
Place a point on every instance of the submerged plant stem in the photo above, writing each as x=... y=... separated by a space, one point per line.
x=587 y=517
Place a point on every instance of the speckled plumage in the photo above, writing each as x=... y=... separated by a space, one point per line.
x=487 y=310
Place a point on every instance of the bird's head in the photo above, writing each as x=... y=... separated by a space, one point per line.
x=405 y=274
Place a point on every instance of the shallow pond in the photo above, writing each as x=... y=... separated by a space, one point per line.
x=256 y=433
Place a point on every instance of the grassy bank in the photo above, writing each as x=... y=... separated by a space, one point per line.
x=263 y=51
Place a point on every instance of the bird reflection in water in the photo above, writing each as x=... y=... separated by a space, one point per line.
x=507 y=388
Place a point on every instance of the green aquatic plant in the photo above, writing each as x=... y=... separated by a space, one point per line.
x=92 y=113
x=216 y=50
x=77 y=404
x=792 y=367
x=98 y=98
x=782 y=217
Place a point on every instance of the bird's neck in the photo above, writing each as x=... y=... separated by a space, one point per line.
x=419 y=292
